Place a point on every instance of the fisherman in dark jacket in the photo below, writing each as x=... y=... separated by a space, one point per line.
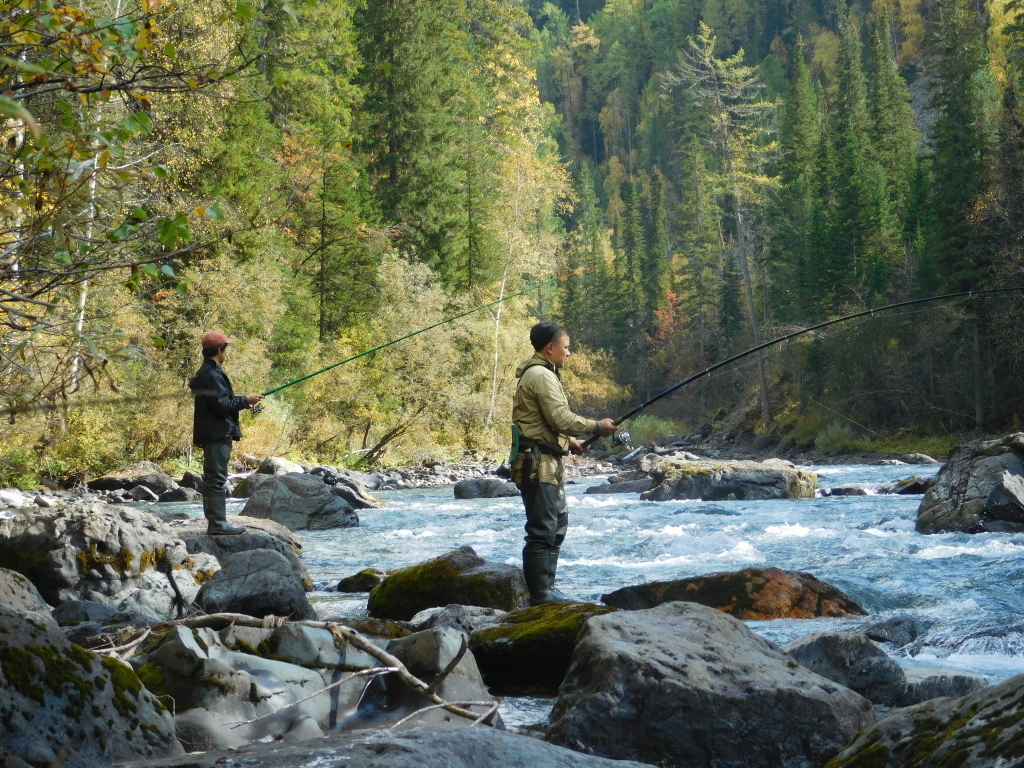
x=215 y=426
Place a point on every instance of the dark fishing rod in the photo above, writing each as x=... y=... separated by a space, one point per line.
x=790 y=336
x=423 y=330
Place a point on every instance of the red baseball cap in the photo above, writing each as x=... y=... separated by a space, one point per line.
x=215 y=339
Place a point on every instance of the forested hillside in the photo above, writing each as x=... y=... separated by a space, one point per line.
x=316 y=178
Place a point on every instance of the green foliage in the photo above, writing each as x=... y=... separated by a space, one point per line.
x=651 y=430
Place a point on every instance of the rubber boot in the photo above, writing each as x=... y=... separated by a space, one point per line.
x=215 y=509
x=554 y=595
x=535 y=569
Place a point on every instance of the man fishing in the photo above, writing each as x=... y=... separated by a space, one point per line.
x=215 y=426
x=544 y=428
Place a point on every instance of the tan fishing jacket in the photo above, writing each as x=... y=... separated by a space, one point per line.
x=541 y=409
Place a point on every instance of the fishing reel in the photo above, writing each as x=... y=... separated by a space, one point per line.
x=621 y=438
x=256 y=408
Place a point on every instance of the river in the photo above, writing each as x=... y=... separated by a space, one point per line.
x=963 y=591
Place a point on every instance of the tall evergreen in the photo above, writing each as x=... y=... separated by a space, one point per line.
x=955 y=260
x=794 y=201
x=894 y=139
x=656 y=250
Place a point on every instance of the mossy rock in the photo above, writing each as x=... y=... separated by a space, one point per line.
x=983 y=729
x=460 y=576
x=751 y=594
x=529 y=651
x=364 y=581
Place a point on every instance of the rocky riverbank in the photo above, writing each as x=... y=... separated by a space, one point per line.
x=216 y=635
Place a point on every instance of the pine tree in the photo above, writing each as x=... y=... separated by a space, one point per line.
x=894 y=139
x=955 y=259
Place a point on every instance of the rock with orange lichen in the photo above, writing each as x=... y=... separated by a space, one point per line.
x=754 y=594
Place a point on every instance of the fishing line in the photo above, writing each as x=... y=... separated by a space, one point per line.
x=866 y=314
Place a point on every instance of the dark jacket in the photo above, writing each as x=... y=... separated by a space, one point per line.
x=217 y=407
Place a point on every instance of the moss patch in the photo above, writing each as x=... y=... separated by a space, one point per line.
x=92 y=559
x=127 y=686
x=378 y=628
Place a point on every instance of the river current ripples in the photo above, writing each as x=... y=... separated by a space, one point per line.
x=962 y=591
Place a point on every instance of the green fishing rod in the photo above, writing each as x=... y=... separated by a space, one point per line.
x=424 y=330
x=985 y=293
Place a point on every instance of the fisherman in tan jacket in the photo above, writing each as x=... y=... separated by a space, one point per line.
x=544 y=429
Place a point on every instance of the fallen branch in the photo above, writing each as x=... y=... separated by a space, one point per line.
x=362 y=673
x=493 y=705
x=217 y=621
x=131 y=646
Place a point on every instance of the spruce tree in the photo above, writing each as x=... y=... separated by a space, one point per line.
x=955 y=260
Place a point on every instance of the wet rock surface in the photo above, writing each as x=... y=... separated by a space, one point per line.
x=980 y=488
x=364 y=581
x=684 y=685
x=460 y=576
x=62 y=705
x=852 y=660
x=752 y=594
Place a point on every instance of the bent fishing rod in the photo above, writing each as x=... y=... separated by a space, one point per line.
x=790 y=336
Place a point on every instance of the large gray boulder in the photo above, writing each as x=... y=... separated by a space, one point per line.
x=460 y=576
x=300 y=502
x=115 y=555
x=924 y=683
x=258 y=582
x=723 y=480
x=349 y=485
x=416 y=748
x=259 y=534
x=982 y=730
x=62 y=705
x=625 y=486
x=685 y=685
x=275 y=465
x=485 y=488
x=981 y=488
x=851 y=659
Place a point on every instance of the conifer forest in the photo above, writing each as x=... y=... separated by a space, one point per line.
x=318 y=177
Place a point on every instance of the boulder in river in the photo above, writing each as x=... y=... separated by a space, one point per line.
x=181 y=495
x=259 y=534
x=918 y=458
x=115 y=555
x=460 y=576
x=924 y=683
x=752 y=594
x=485 y=488
x=528 y=651
x=723 y=480
x=909 y=486
x=685 y=685
x=364 y=581
x=982 y=730
x=981 y=488
x=415 y=748
x=627 y=486
x=349 y=485
x=300 y=502
x=275 y=465
x=60 y=704
x=258 y=582
x=848 y=489
x=851 y=659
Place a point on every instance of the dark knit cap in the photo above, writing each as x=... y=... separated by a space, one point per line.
x=544 y=333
